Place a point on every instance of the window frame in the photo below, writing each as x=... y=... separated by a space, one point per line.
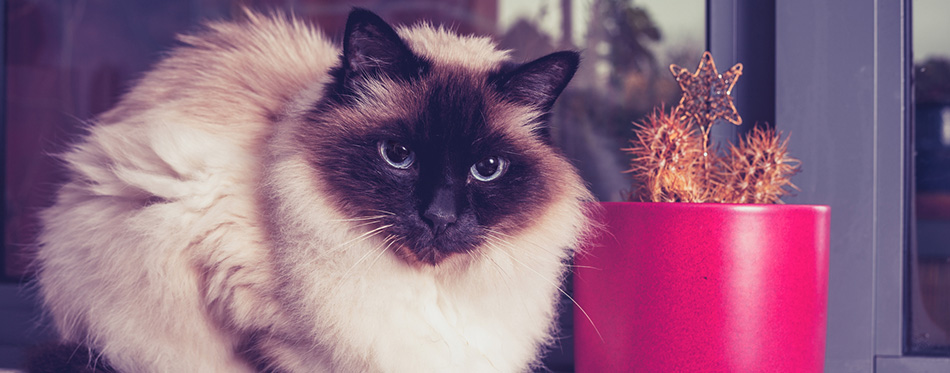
x=858 y=54
x=842 y=91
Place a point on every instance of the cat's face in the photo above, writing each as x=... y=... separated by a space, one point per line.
x=437 y=159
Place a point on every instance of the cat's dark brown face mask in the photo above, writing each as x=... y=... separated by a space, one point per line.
x=433 y=157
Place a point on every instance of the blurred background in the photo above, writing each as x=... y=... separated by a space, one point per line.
x=930 y=251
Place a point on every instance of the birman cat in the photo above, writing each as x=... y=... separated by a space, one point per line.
x=263 y=200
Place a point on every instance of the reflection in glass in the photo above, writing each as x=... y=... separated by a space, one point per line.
x=626 y=47
x=930 y=257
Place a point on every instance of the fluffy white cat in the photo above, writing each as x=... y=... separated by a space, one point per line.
x=265 y=201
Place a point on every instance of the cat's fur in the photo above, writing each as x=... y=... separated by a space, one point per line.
x=232 y=212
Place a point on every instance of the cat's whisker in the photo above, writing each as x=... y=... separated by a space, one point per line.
x=537 y=257
x=508 y=248
x=361 y=237
x=381 y=249
x=361 y=259
x=367 y=223
x=534 y=256
x=564 y=261
x=508 y=236
x=496 y=265
x=392 y=240
x=384 y=212
x=557 y=286
x=531 y=255
x=365 y=218
x=505 y=274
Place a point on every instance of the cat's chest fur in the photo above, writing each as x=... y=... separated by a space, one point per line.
x=263 y=200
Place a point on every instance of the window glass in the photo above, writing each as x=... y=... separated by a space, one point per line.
x=67 y=62
x=930 y=257
x=627 y=47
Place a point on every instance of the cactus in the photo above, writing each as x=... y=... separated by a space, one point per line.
x=670 y=153
x=668 y=160
x=757 y=171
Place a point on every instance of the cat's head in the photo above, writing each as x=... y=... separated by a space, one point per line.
x=436 y=142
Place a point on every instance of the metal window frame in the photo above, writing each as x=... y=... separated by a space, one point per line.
x=841 y=77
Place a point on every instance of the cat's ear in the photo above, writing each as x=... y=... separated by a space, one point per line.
x=538 y=83
x=372 y=49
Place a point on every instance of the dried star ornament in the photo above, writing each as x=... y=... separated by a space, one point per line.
x=706 y=92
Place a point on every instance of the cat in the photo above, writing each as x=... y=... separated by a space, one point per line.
x=263 y=200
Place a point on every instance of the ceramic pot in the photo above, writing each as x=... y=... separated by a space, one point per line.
x=680 y=287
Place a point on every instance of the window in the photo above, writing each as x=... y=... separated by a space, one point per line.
x=930 y=257
x=843 y=89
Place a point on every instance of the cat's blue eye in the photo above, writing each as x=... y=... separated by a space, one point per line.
x=489 y=169
x=396 y=154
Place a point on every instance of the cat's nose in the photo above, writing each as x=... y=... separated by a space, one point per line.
x=441 y=211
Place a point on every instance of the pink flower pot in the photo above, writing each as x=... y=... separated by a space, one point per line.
x=680 y=287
